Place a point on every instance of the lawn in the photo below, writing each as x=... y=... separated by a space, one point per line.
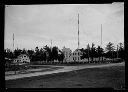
x=113 y=77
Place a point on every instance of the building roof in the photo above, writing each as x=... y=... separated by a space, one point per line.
x=22 y=55
x=66 y=49
x=77 y=50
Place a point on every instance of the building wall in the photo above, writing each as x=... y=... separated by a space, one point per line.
x=71 y=57
x=67 y=53
x=76 y=56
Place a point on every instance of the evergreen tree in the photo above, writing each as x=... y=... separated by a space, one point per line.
x=110 y=50
x=99 y=52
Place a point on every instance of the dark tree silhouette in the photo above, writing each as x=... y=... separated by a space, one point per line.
x=17 y=52
x=31 y=54
x=47 y=53
x=88 y=51
x=121 y=51
x=110 y=50
x=93 y=52
x=8 y=53
x=61 y=56
x=55 y=53
x=99 y=52
x=23 y=51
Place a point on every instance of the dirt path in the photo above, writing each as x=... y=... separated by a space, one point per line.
x=93 y=77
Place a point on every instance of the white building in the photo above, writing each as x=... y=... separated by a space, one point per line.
x=76 y=56
x=23 y=58
x=71 y=57
x=67 y=53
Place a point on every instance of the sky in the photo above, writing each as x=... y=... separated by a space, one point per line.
x=37 y=25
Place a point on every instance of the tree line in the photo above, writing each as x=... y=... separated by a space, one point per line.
x=49 y=54
x=110 y=51
x=46 y=54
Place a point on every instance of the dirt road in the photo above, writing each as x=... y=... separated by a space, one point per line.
x=92 y=77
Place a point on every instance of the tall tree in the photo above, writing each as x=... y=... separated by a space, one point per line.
x=30 y=53
x=88 y=51
x=93 y=52
x=23 y=51
x=110 y=50
x=83 y=53
x=60 y=56
x=121 y=51
x=55 y=53
x=8 y=53
x=36 y=55
x=99 y=52
x=17 y=52
x=47 y=53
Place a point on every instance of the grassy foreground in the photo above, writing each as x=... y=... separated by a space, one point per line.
x=113 y=77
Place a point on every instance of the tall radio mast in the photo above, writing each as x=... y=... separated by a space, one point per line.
x=101 y=35
x=13 y=41
x=78 y=31
x=51 y=46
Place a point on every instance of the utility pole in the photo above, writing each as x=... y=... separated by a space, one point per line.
x=101 y=35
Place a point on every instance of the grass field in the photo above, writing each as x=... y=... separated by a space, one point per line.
x=113 y=77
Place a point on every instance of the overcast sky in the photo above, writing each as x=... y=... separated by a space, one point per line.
x=37 y=25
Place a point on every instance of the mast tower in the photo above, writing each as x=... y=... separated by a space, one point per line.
x=101 y=35
x=78 y=31
x=13 y=41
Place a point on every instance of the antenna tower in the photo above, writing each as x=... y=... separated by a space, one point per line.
x=78 y=31
x=101 y=35
x=13 y=41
